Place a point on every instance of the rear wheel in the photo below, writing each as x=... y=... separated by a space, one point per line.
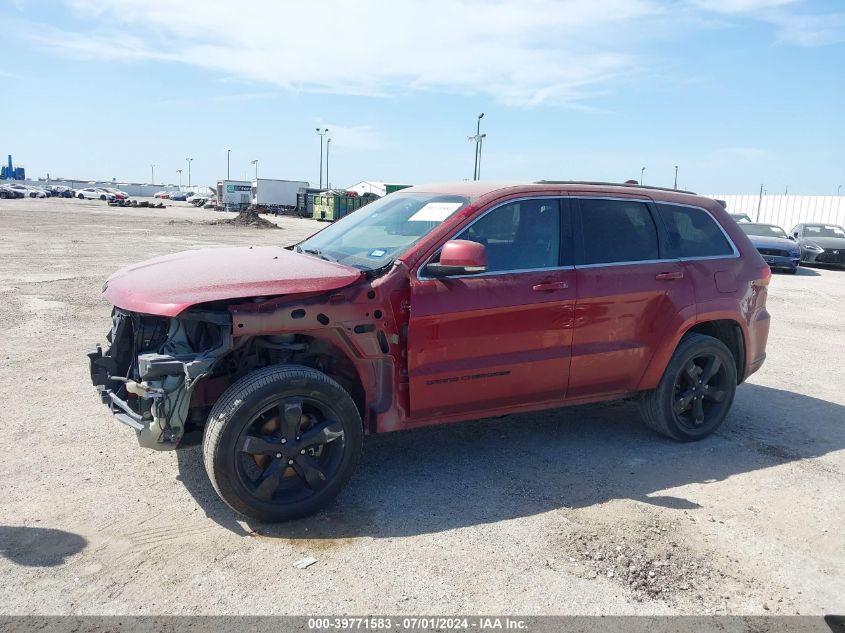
x=81 y=197
x=281 y=442
x=696 y=390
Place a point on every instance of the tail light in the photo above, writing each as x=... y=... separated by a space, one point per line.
x=765 y=275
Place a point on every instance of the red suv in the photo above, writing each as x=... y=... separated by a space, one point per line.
x=433 y=304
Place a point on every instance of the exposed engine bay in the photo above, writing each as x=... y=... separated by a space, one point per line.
x=152 y=366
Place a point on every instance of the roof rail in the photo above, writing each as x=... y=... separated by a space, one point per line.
x=612 y=184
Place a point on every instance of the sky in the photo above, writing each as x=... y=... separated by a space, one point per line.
x=736 y=93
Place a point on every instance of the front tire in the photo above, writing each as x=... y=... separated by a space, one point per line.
x=281 y=442
x=696 y=391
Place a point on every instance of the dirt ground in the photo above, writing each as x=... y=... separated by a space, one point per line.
x=577 y=511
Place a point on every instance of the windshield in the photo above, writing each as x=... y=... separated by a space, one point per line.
x=765 y=230
x=379 y=232
x=823 y=230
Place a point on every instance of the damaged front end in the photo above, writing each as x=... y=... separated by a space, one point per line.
x=148 y=373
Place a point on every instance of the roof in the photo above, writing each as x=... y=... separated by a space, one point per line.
x=477 y=189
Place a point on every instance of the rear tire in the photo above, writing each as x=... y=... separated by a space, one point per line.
x=81 y=197
x=281 y=442
x=696 y=391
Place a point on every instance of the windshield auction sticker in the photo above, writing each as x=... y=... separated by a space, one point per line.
x=435 y=212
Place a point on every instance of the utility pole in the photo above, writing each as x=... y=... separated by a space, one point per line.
x=328 y=182
x=179 y=171
x=759 y=204
x=255 y=162
x=476 y=168
x=676 y=176
x=189 y=170
x=322 y=133
x=152 y=174
x=838 y=189
x=228 y=152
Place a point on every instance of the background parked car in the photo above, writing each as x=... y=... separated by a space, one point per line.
x=118 y=194
x=94 y=193
x=164 y=195
x=820 y=243
x=740 y=217
x=8 y=193
x=29 y=191
x=779 y=251
x=179 y=196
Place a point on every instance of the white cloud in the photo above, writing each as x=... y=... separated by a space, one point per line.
x=521 y=53
x=358 y=138
x=525 y=53
x=793 y=23
x=739 y=6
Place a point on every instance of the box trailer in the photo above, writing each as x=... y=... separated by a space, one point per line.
x=233 y=195
x=276 y=195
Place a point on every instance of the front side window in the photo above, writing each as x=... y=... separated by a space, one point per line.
x=692 y=232
x=614 y=231
x=376 y=234
x=522 y=235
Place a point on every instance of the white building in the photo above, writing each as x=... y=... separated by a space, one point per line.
x=369 y=186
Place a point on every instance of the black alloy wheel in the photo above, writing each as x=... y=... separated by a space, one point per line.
x=696 y=391
x=281 y=442
x=700 y=390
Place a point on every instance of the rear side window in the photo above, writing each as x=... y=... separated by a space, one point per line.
x=692 y=232
x=616 y=231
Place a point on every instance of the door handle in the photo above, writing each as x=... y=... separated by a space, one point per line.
x=669 y=276
x=551 y=286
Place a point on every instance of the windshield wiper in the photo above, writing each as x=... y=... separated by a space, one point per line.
x=314 y=251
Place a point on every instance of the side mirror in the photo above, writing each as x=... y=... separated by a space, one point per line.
x=795 y=234
x=459 y=257
x=792 y=237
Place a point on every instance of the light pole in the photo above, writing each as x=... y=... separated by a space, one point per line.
x=152 y=174
x=476 y=167
x=255 y=162
x=322 y=133
x=189 y=170
x=838 y=189
x=642 y=175
x=328 y=145
x=228 y=152
x=179 y=171
x=676 y=176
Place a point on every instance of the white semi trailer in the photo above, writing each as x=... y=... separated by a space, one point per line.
x=276 y=195
x=233 y=195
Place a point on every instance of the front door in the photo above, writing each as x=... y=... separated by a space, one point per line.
x=503 y=337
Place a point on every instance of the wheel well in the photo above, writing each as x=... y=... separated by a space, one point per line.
x=322 y=355
x=730 y=334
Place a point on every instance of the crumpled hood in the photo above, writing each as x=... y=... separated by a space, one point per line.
x=168 y=285
x=764 y=241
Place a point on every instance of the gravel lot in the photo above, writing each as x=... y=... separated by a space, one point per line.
x=578 y=511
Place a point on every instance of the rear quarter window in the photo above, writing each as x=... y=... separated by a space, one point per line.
x=692 y=232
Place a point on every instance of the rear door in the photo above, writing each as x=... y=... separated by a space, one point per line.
x=501 y=338
x=630 y=294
